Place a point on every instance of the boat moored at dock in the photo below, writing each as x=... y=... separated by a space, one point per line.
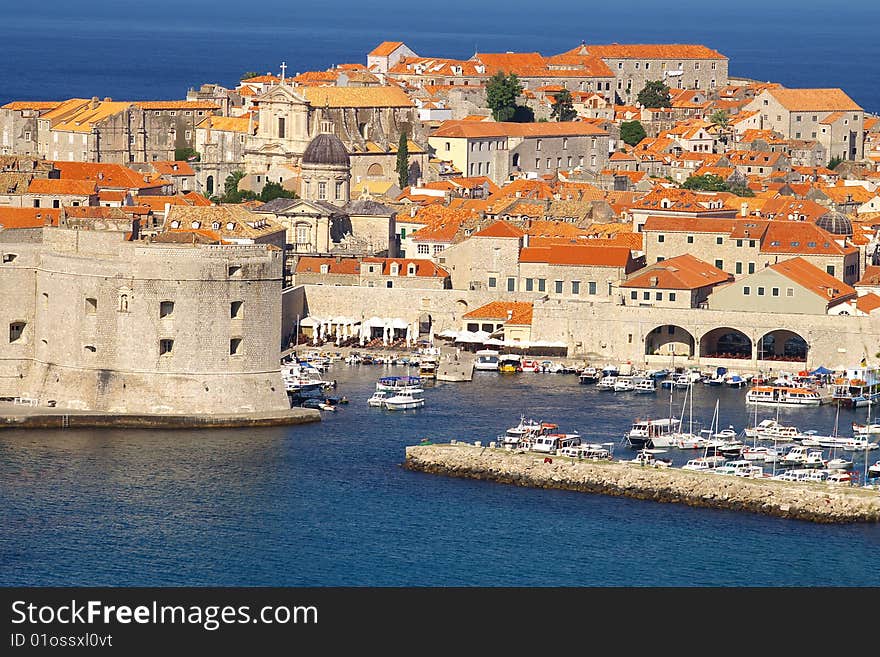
x=784 y=396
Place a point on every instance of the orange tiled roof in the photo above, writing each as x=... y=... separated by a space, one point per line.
x=871 y=276
x=385 y=48
x=684 y=272
x=818 y=100
x=520 y=312
x=38 y=105
x=424 y=268
x=312 y=265
x=106 y=175
x=801 y=238
x=28 y=217
x=814 y=279
x=171 y=168
x=61 y=187
x=356 y=97
x=649 y=51
x=577 y=254
x=868 y=303
x=176 y=105
x=500 y=229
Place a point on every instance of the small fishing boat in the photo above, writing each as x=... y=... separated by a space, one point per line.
x=646 y=458
x=704 y=463
x=405 y=400
x=589 y=375
x=607 y=382
x=644 y=385
x=378 y=399
x=624 y=384
x=530 y=365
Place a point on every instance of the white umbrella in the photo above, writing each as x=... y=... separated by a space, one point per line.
x=408 y=335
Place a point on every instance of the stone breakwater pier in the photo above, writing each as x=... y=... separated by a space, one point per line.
x=821 y=503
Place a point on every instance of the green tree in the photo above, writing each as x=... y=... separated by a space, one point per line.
x=185 y=154
x=720 y=118
x=632 y=132
x=273 y=190
x=563 y=108
x=403 y=161
x=654 y=94
x=832 y=164
x=231 y=192
x=501 y=94
x=706 y=183
x=249 y=75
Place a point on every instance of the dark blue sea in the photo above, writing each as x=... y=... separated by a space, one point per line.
x=329 y=504
x=137 y=50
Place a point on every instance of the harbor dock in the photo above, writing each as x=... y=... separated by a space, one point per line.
x=814 y=502
x=25 y=417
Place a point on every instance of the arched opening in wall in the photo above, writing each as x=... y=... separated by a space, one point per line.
x=515 y=162
x=461 y=307
x=375 y=171
x=726 y=342
x=364 y=129
x=669 y=340
x=209 y=185
x=783 y=344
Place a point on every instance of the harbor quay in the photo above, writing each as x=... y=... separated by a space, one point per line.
x=813 y=502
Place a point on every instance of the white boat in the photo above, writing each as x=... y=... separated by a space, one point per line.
x=760 y=453
x=428 y=367
x=644 y=385
x=653 y=433
x=874 y=469
x=797 y=455
x=403 y=401
x=525 y=432
x=859 y=444
x=740 y=468
x=607 y=382
x=865 y=429
x=839 y=464
x=815 y=459
x=587 y=451
x=552 y=442
x=623 y=384
x=773 y=430
x=734 y=380
x=783 y=396
x=589 y=375
x=704 y=463
x=646 y=457
x=839 y=477
x=399 y=383
x=378 y=399
x=486 y=361
x=859 y=386
x=509 y=363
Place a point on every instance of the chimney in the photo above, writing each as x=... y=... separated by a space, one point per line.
x=655 y=281
x=744 y=209
x=94 y=103
x=509 y=315
x=525 y=241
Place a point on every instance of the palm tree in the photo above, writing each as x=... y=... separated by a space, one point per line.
x=721 y=119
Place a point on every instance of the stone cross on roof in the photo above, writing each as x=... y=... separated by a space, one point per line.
x=283 y=69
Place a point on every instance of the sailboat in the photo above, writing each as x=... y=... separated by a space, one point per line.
x=666 y=438
x=838 y=463
x=688 y=439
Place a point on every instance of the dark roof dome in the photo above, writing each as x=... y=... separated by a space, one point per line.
x=835 y=223
x=326 y=149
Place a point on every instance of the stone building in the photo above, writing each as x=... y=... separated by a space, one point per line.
x=371 y=272
x=828 y=116
x=220 y=142
x=18 y=126
x=680 y=282
x=92 y=321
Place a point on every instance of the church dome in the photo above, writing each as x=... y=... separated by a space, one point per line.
x=835 y=223
x=326 y=150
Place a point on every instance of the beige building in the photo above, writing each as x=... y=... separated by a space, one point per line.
x=220 y=142
x=499 y=150
x=508 y=321
x=680 y=282
x=828 y=116
x=371 y=272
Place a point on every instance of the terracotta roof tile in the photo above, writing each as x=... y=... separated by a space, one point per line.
x=518 y=313
x=28 y=217
x=684 y=272
x=61 y=187
x=356 y=97
x=385 y=48
x=312 y=265
x=814 y=279
x=806 y=100
x=577 y=254
x=500 y=229
x=868 y=303
x=478 y=129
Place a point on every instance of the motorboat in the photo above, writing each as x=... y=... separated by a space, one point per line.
x=773 y=430
x=530 y=365
x=704 y=463
x=839 y=464
x=865 y=429
x=735 y=380
x=523 y=433
x=728 y=434
x=587 y=451
x=687 y=440
x=657 y=375
x=783 y=396
x=589 y=375
x=730 y=449
x=815 y=459
x=624 y=384
x=399 y=383
x=644 y=385
x=797 y=455
x=551 y=443
x=486 y=360
x=653 y=433
x=403 y=401
x=874 y=469
x=839 y=477
x=646 y=457
x=740 y=468
x=859 y=386
x=549 y=367
x=610 y=370
x=378 y=399
x=607 y=382
x=428 y=367
x=801 y=474
x=759 y=453
x=859 y=444
x=509 y=363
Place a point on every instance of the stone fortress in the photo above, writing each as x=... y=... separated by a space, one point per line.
x=99 y=323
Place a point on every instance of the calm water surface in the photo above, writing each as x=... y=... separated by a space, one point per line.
x=329 y=504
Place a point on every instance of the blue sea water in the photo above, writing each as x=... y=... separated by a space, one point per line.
x=330 y=504
x=134 y=50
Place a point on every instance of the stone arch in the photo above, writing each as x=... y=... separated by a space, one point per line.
x=783 y=344
x=461 y=306
x=669 y=339
x=725 y=342
x=515 y=162
x=375 y=170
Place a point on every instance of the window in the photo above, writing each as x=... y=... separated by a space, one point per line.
x=619 y=65
x=281 y=127
x=530 y=284
x=565 y=143
x=165 y=346
x=558 y=287
x=166 y=308
x=16 y=329
x=747 y=290
x=719 y=240
x=751 y=244
x=690 y=239
x=789 y=291
x=646 y=296
x=235 y=347
x=739 y=242
x=739 y=268
x=389 y=283
x=236 y=310
x=576 y=287
x=661 y=238
x=90 y=348
x=672 y=298
x=27 y=136
x=538 y=145
x=719 y=263
x=696 y=66
x=542 y=284
x=798 y=118
x=448 y=146
x=9 y=257
x=760 y=291
x=658 y=296
x=511 y=285
x=774 y=292
x=91 y=306
x=751 y=267
x=322 y=191
x=438 y=248
x=591 y=287
x=187 y=135
x=424 y=249
x=830 y=269
x=537 y=162
x=633 y=295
